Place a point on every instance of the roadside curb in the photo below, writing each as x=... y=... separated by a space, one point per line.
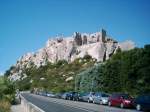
x=16 y=108
x=29 y=107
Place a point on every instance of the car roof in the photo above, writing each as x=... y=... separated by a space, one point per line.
x=119 y=94
x=143 y=95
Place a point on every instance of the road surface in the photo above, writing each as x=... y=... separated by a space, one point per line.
x=59 y=105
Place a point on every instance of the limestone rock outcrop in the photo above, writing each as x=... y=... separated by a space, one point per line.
x=98 y=45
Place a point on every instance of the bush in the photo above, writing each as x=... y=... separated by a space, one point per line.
x=7 y=94
x=87 y=57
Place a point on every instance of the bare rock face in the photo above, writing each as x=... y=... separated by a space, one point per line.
x=98 y=45
x=77 y=39
x=111 y=46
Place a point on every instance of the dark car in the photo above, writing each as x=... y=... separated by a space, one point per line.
x=73 y=96
x=142 y=102
x=122 y=100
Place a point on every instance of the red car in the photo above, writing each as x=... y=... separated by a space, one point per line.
x=122 y=100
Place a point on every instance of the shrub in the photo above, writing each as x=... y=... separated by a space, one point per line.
x=87 y=57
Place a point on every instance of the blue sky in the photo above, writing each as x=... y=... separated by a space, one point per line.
x=25 y=25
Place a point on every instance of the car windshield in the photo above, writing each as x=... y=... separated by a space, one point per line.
x=82 y=94
x=66 y=93
x=105 y=95
x=85 y=94
x=126 y=97
x=146 y=98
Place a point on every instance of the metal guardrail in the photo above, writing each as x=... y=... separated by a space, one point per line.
x=28 y=106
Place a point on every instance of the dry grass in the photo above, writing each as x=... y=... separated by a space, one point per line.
x=4 y=106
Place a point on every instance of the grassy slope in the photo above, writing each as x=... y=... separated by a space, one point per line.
x=52 y=77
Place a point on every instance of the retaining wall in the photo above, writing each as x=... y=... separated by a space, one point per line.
x=28 y=106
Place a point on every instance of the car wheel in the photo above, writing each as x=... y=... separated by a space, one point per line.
x=109 y=103
x=121 y=105
x=101 y=102
x=93 y=101
x=138 y=107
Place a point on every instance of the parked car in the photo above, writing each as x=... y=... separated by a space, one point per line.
x=80 y=96
x=42 y=93
x=50 y=94
x=88 y=97
x=58 y=95
x=73 y=96
x=142 y=102
x=100 y=98
x=122 y=100
x=65 y=96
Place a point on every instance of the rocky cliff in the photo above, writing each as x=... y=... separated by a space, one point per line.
x=98 y=45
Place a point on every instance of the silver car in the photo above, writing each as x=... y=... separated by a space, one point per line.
x=50 y=94
x=100 y=98
x=88 y=97
x=65 y=96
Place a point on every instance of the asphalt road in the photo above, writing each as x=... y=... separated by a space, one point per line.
x=59 y=105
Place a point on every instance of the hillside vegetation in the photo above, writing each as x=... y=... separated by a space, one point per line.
x=56 y=77
x=7 y=92
x=126 y=71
